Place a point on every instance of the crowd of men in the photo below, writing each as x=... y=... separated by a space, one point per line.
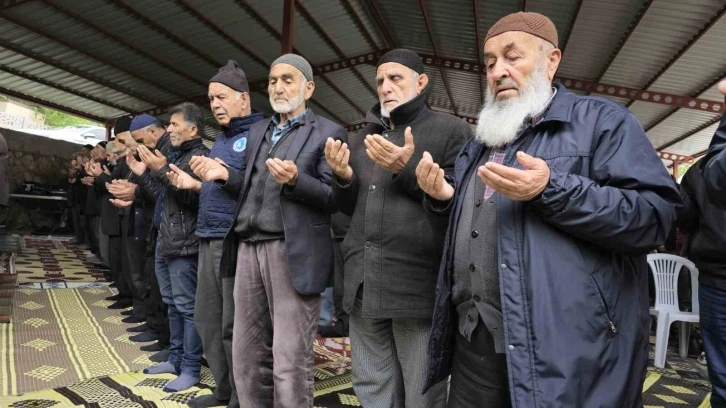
x=510 y=260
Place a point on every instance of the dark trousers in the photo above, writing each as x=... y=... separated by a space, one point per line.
x=138 y=281
x=478 y=373
x=156 y=310
x=79 y=224
x=274 y=330
x=214 y=318
x=712 y=304
x=93 y=223
x=117 y=263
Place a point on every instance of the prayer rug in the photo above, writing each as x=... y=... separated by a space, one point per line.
x=54 y=260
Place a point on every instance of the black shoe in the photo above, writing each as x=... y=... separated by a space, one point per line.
x=113 y=298
x=152 y=347
x=127 y=313
x=206 y=401
x=138 y=329
x=133 y=319
x=160 y=357
x=145 y=337
x=120 y=305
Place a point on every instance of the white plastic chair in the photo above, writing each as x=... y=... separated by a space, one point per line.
x=665 y=269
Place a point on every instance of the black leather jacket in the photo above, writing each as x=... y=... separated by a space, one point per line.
x=179 y=215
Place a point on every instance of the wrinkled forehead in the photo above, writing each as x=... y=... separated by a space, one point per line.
x=389 y=69
x=511 y=40
x=285 y=71
x=215 y=88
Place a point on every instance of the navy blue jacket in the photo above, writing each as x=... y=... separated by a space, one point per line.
x=572 y=263
x=714 y=171
x=306 y=207
x=216 y=208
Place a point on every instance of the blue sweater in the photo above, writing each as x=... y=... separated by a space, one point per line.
x=216 y=208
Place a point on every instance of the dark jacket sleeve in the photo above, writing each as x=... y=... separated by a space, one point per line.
x=629 y=202
x=714 y=171
x=235 y=180
x=316 y=190
x=346 y=196
x=460 y=134
x=149 y=185
x=100 y=183
x=688 y=214
x=185 y=198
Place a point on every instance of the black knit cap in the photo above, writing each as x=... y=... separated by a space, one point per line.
x=403 y=57
x=232 y=76
x=122 y=124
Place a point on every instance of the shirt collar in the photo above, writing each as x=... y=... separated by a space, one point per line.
x=290 y=122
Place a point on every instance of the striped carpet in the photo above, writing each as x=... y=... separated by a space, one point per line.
x=52 y=260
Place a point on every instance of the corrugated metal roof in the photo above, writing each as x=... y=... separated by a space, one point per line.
x=697 y=143
x=174 y=46
x=667 y=27
x=597 y=31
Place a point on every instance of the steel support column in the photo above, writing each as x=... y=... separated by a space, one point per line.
x=288 y=24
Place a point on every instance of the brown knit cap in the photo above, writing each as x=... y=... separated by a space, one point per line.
x=531 y=23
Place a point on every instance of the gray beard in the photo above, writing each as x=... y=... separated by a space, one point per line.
x=499 y=122
x=285 y=107
x=387 y=114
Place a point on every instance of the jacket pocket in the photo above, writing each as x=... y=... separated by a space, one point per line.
x=605 y=309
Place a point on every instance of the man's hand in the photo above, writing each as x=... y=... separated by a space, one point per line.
x=431 y=179
x=122 y=189
x=388 y=155
x=182 y=180
x=518 y=185
x=155 y=160
x=284 y=172
x=208 y=169
x=88 y=181
x=120 y=203
x=337 y=155
x=722 y=87
x=138 y=167
x=94 y=169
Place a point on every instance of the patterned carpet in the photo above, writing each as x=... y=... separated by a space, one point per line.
x=53 y=260
x=59 y=337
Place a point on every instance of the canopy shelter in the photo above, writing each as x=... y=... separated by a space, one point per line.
x=103 y=58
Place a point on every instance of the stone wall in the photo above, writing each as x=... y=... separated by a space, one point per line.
x=35 y=159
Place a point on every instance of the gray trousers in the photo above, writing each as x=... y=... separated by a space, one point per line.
x=103 y=244
x=390 y=360
x=214 y=318
x=274 y=330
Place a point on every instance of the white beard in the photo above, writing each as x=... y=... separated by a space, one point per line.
x=499 y=121
x=285 y=107
x=387 y=114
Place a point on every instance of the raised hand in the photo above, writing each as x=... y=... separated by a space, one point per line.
x=516 y=184
x=430 y=177
x=120 y=203
x=182 y=180
x=208 y=169
x=155 y=160
x=284 y=171
x=122 y=189
x=388 y=155
x=337 y=155
x=137 y=167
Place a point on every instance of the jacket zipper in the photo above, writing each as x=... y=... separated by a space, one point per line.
x=613 y=328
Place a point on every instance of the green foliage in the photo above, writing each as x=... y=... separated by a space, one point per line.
x=54 y=118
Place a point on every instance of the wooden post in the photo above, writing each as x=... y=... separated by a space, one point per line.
x=676 y=165
x=288 y=18
x=109 y=126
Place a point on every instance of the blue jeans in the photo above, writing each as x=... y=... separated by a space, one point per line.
x=177 y=278
x=712 y=302
x=327 y=308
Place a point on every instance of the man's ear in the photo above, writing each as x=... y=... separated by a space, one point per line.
x=421 y=82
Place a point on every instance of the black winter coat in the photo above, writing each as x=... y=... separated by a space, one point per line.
x=393 y=245
x=177 y=234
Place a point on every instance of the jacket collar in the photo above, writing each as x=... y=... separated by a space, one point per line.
x=402 y=114
x=163 y=140
x=560 y=109
x=190 y=144
x=241 y=124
